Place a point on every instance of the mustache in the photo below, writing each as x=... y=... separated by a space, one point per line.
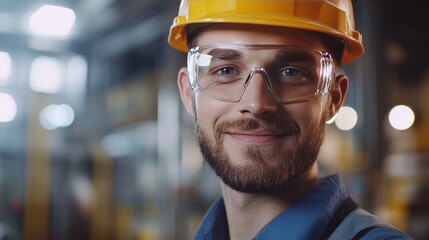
x=247 y=124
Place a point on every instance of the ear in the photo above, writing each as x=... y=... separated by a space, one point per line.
x=338 y=94
x=185 y=90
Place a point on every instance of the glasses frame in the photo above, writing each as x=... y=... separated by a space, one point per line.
x=326 y=74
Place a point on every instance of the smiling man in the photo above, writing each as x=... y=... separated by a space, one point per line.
x=262 y=80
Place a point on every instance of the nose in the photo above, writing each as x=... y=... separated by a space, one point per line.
x=257 y=98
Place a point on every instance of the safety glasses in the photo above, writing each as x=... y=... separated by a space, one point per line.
x=292 y=74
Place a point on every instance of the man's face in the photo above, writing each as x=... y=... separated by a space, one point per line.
x=257 y=145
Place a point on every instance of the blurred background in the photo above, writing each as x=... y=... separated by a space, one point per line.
x=94 y=142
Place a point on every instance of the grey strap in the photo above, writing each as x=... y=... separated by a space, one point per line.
x=356 y=221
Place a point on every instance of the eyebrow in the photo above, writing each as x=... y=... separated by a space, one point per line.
x=280 y=56
x=226 y=54
x=286 y=56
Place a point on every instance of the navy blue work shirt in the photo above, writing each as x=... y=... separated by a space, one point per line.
x=304 y=219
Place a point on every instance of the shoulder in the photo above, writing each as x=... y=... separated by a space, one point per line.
x=385 y=232
x=360 y=224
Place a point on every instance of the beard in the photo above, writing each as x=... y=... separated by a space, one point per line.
x=272 y=168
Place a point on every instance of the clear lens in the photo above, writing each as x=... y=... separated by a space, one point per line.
x=291 y=74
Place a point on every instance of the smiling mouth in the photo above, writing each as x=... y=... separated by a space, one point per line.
x=257 y=136
x=256 y=131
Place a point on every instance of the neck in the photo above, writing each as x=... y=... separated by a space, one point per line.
x=248 y=213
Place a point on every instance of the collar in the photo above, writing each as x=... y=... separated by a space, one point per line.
x=304 y=219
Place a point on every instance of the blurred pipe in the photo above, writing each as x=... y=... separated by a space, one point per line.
x=36 y=214
x=102 y=215
x=168 y=153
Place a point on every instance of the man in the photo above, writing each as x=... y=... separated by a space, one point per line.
x=262 y=81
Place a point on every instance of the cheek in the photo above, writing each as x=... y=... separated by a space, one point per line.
x=307 y=114
x=209 y=111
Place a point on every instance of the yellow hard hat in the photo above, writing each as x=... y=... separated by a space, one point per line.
x=334 y=17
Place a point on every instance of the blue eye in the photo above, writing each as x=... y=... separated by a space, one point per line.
x=296 y=75
x=291 y=72
x=226 y=71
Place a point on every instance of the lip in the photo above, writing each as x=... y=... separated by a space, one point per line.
x=256 y=136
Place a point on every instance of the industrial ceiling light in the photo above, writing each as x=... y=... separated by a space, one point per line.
x=401 y=117
x=5 y=67
x=46 y=75
x=52 y=20
x=346 y=119
x=56 y=116
x=8 y=108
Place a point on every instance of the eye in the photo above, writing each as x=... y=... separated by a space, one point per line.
x=296 y=75
x=291 y=72
x=226 y=71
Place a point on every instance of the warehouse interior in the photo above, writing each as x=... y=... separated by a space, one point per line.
x=95 y=144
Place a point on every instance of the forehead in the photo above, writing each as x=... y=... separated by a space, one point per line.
x=255 y=34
